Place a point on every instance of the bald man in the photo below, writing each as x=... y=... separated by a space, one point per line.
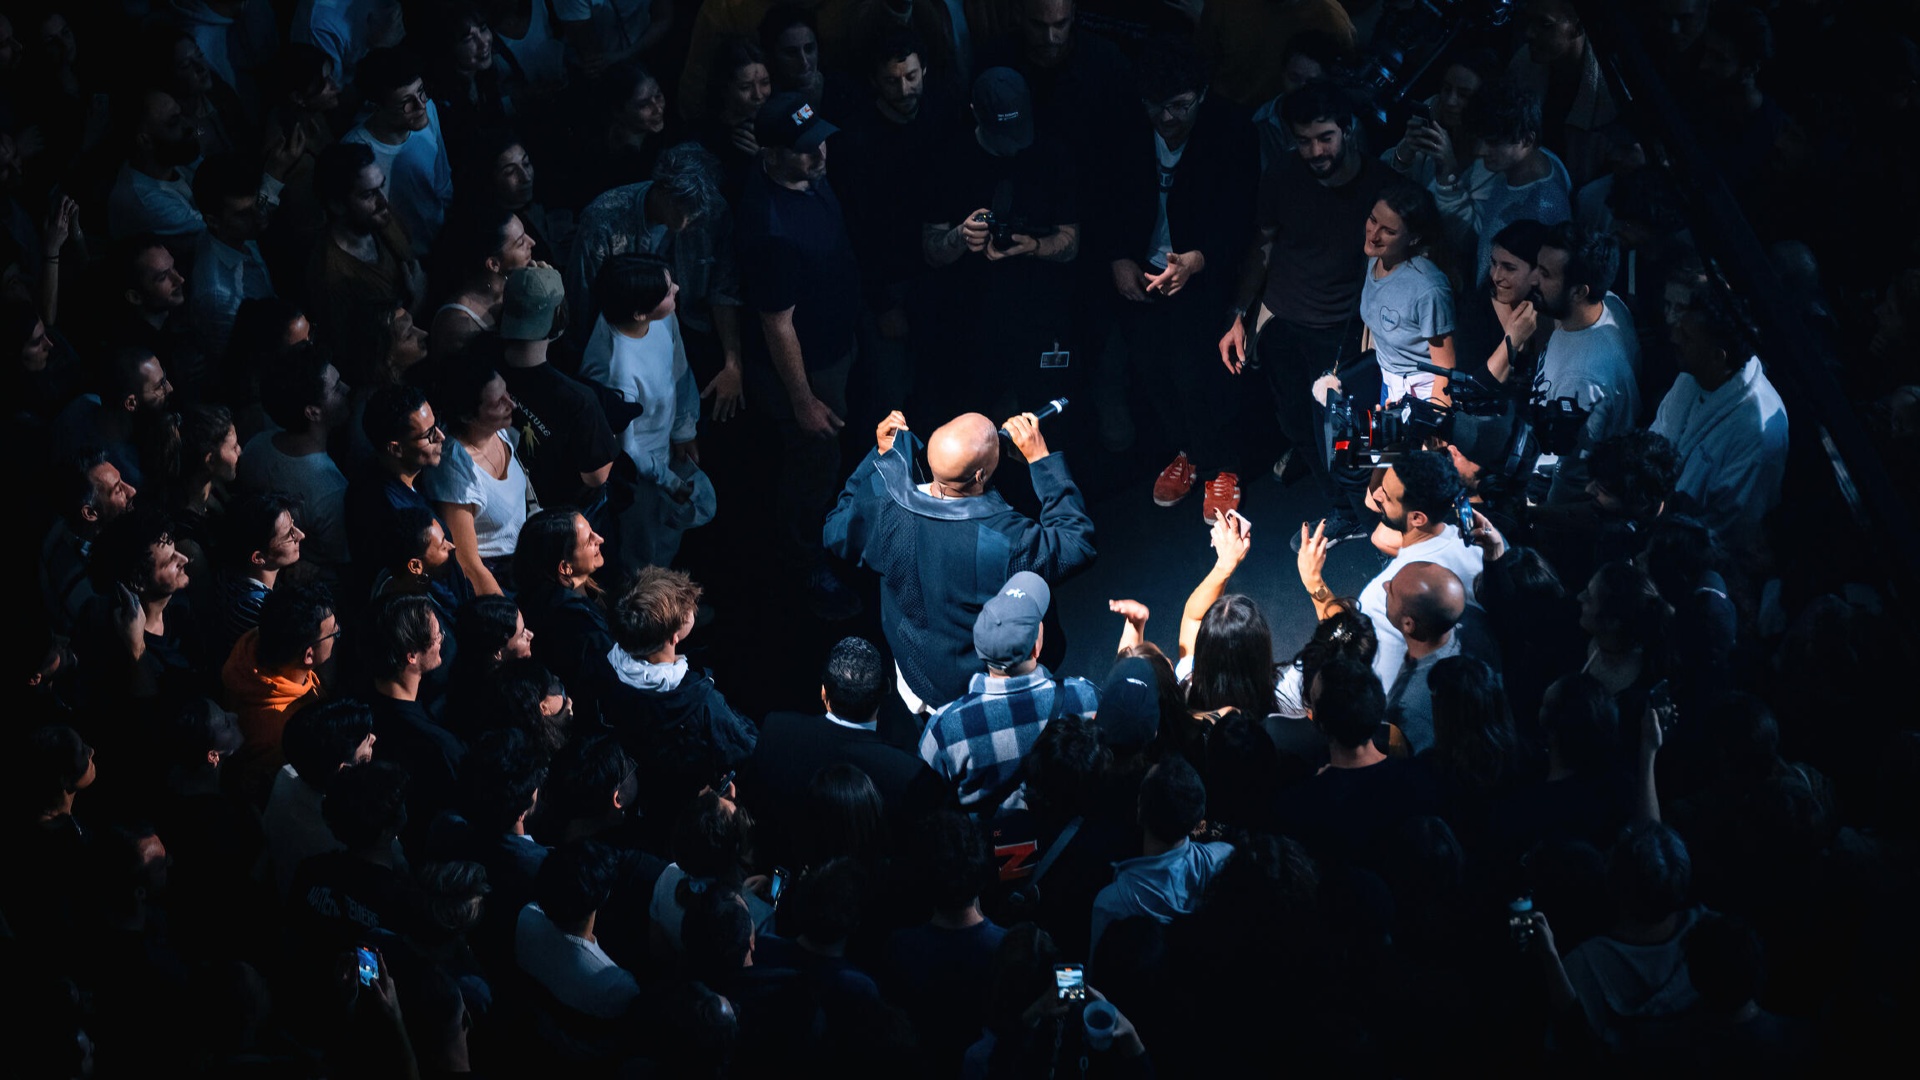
x=942 y=548
x=1425 y=601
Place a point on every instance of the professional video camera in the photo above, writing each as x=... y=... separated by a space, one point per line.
x=1511 y=427
x=1408 y=42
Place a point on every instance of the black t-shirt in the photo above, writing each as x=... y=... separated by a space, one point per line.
x=1318 y=261
x=409 y=735
x=879 y=166
x=563 y=432
x=1035 y=191
x=1343 y=815
x=795 y=253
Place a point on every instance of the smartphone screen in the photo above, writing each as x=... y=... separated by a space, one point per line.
x=1070 y=980
x=369 y=966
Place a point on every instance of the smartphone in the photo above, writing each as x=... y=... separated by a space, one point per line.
x=724 y=783
x=369 y=965
x=1520 y=921
x=1421 y=110
x=1464 y=510
x=1070 y=981
x=1240 y=522
x=779 y=884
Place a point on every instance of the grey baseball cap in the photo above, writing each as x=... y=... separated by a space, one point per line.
x=526 y=309
x=1009 y=624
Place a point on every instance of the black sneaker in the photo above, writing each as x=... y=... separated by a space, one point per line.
x=1340 y=529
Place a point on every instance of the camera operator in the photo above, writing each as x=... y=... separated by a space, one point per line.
x=943 y=547
x=1001 y=226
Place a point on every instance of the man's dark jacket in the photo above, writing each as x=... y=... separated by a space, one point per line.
x=939 y=560
x=794 y=746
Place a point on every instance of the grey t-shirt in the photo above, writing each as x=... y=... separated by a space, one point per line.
x=1595 y=367
x=1405 y=309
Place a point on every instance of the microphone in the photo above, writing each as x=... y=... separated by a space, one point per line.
x=1057 y=405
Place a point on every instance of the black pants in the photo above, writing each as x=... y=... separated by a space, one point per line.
x=809 y=467
x=1293 y=355
x=1174 y=346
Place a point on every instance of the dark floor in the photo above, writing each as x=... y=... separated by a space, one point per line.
x=766 y=650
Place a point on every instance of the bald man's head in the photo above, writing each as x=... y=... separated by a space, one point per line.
x=963 y=451
x=1425 y=600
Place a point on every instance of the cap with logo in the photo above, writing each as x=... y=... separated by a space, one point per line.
x=1003 y=109
x=527 y=306
x=1009 y=624
x=787 y=121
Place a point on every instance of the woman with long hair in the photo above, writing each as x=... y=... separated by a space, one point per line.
x=739 y=84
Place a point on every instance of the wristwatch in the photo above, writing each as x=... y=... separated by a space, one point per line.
x=1322 y=594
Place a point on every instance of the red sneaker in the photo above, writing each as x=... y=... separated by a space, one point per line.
x=1223 y=494
x=1174 y=482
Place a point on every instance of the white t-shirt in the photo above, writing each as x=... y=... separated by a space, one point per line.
x=499 y=506
x=653 y=372
x=1448 y=550
x=319 y=483
x=577 y=972
x=1162 y=241
x=540 y=54
x=419 y=178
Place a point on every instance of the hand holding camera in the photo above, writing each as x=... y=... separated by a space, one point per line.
x=977 y=230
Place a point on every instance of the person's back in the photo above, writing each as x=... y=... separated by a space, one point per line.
x=1171 y=874
x=1633 y=982
x=554 y=942
x=1343 y=813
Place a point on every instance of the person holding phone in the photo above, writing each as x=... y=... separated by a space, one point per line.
x=1445 y=111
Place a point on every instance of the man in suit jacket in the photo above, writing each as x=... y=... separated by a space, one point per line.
x=793 y=747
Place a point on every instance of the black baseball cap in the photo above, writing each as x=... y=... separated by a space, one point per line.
x=1003 y=107
x=787 y=121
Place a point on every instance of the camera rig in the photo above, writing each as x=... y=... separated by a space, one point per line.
x=1526 y=423
x=1408 y=43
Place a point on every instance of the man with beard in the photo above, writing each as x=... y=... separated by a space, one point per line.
x=154 y=189
x=801 y=277
x=127 y=410
x=880 y=160
x=1417 y=499
x=1311 y=214
x=150 y=312
x=1593 y=355
x=403 y=131
x=363 y=262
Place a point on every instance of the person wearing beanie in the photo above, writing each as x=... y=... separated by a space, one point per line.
x=977 y=741
x=566 y=443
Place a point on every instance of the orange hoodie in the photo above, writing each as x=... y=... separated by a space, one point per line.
x=263 y=698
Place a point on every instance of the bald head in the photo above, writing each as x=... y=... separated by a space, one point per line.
x=1425 y=600
x=964 y=450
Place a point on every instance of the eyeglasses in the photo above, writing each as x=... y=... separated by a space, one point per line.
x=434 y=434
x=335 y=636
x=1179 y=106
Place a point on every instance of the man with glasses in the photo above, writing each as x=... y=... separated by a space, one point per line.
x=403 y=131
x=272 y=673
x=1001 y=226
x=406 y=441
x=1183 y=195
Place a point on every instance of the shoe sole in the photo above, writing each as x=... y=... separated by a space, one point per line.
x=1175 y=501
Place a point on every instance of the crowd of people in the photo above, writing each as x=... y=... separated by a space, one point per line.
x=397 y=378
